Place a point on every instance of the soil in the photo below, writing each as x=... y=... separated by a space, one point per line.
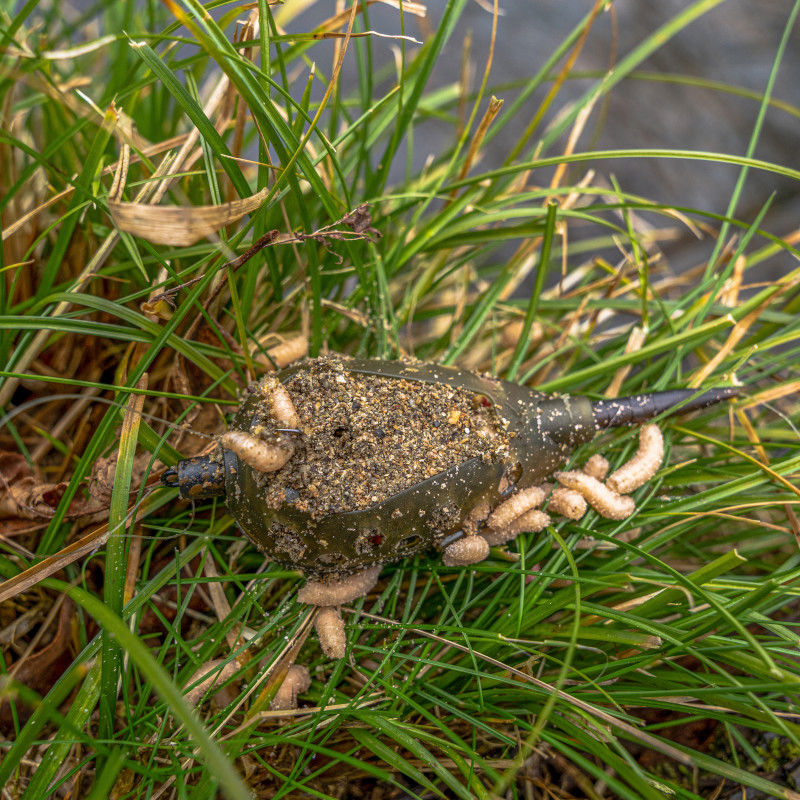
x=365 y=438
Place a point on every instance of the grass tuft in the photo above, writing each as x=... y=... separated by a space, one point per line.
x=654 y=657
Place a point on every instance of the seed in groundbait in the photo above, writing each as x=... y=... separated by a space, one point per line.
x=643 y=465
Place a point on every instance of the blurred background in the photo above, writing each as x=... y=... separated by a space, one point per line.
x=700 y=91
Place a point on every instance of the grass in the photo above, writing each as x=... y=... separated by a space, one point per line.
x=655 y=657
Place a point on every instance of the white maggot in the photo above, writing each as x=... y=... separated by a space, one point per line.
x=597 y=466
x=290 y=349
x=344 y=590
x=516 y=505
x=330 y=630
x=296 y=682
x=531 y=521
x=260 y=455
x=567 y=502
x=465 y=551
x=212 y=673
x=281 y=404
x=605 y=501
x=643 y=465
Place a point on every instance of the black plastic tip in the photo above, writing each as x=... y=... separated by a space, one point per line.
x=170 y=478
x=642 y=407
x=196 y=478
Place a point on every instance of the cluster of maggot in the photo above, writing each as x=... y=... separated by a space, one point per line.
x=525 y=510
x=578 y=490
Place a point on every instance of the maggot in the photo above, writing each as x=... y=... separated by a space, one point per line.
x=465 y=551
x=344 y=590
x=597 y=466
x=260 y=455
x=567 y=502
x=603 y=500
x=531 y=521
x=286 y=351
x=643 y=465
x=330 y=630
x=515 y=506
x=296 y=682
x=212 y=673
x=282 y=407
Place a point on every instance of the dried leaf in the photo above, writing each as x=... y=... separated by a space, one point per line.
x=22 y=496
x=360 y=220
x=101 y=481
x=40 y=669
x=180 y=225
x=158 y=309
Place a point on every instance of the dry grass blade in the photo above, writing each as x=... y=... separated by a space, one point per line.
x=753 y=436
x=771 y=395
x=307 y=711
x=219 y=602
x=147 y=152
x=153 y=192
x=67 y=555
x=739 y=330
x=635 y=340
x=417 y=9
x=493 y=109
x=289 y=10
x=180 y=226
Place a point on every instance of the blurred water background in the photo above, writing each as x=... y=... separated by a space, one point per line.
x=734 y=44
